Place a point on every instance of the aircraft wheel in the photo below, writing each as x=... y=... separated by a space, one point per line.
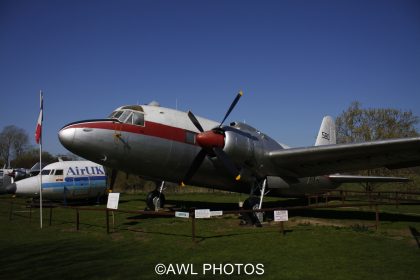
x=253 y=218
x=155 y=200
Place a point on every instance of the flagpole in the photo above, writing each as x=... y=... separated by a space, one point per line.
x=40 y=161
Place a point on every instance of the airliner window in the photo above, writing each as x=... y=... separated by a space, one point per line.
x=190 y=137
x=138 y=118
x=59 y=172
x=46 y=172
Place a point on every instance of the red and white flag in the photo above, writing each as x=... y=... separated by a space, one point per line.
x=38 y=131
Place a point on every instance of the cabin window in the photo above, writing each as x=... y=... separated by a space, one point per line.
x=190 y=137
x=59 y=172
x=46 y=172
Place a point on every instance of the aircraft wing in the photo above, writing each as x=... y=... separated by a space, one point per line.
x=330 y=159
x=339 y=178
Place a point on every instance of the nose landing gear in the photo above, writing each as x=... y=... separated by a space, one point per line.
x=155 y=200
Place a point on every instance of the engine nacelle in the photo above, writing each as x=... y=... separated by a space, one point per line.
x=239 y=146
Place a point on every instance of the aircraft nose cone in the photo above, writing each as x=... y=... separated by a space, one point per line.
x=11 y=189
x=66 y=136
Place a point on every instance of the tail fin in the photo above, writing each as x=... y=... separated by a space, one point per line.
x=326 y=134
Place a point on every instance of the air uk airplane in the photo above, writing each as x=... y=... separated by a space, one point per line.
x=64 y=180
x=163 y=144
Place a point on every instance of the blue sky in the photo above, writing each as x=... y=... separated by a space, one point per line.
x=295 y=60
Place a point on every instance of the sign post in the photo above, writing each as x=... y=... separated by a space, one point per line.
x=281 y=216
x=113 y=199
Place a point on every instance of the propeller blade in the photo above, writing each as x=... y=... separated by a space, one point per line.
x=198 y=160
x=231 y=107
x=195 y=121
x=227 y=162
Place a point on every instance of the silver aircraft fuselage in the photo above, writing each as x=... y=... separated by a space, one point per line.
x=160 y=143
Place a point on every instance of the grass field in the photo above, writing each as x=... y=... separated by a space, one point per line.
x=318 y=244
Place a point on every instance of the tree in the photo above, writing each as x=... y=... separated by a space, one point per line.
x=360 y=125
x=13 y=142
x=357 y=124
x=30 y=157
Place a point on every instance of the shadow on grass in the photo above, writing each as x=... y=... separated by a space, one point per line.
x=416 y=235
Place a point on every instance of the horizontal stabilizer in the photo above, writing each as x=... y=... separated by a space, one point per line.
x=364 y=179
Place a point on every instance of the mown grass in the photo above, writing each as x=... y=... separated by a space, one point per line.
x=344 y=244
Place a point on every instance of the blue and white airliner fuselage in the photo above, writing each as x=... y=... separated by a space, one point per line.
x=64 y=180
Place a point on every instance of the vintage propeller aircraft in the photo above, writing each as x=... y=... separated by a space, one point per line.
x=163 y=144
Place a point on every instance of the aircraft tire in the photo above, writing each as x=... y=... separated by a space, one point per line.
x=151 y=199
x=251 y=218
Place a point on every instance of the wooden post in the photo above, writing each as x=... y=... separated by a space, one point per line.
x=77 y=219
x=397 y=202
x=107 y=220
x=342 y=196
x=376 y=217
x=192 y=214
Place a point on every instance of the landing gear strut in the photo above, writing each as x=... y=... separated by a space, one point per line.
x=155 y=200
x=255 y=203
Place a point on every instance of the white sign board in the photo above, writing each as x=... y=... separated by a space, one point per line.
x=113 y=199
x=202 y=213
x=182 y=214
x=281 y=216
x=216 y=213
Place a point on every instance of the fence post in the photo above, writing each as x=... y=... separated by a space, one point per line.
x=376 y=217
x=397 y=202
x=192 y=214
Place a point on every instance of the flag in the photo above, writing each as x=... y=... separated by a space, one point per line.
x=38 y=131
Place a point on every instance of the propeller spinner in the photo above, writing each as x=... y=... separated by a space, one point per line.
x=212 y=143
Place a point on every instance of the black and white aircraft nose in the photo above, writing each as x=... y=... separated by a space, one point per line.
x=11 y=189
x=66 y=136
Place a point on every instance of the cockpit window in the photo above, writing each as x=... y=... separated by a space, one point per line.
x=138 y=118
x=129 y=116
x=115 y=115
x=59 y=172
x=124 y=116
x=46 y=172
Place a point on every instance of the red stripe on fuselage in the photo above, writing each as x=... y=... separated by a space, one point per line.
x=150 y=129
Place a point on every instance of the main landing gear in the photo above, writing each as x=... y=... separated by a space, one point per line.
x=255 y=203
x=155 y=200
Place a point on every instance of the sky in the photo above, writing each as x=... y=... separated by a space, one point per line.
x=295 y=61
